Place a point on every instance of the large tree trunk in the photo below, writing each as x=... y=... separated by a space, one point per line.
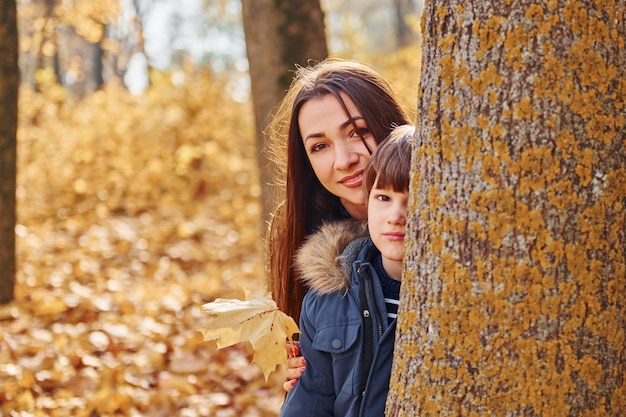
x=280 y=34
x=513 y=299
x=9 y=84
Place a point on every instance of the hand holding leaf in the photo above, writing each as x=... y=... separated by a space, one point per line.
x=256 y=320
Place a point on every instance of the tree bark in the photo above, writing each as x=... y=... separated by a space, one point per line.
x=280 y=34
x=9 y=84
x=513 y=291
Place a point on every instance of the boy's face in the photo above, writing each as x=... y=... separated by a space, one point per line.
x=387 y=213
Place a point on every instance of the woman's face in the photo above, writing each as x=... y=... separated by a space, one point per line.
x=333 y=143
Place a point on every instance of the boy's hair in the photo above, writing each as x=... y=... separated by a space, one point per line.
x=390 y=164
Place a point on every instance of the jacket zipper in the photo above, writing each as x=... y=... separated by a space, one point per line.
x=370 y=286
x=372 y=305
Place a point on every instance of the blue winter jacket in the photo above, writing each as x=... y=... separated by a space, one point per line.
x=331 y=326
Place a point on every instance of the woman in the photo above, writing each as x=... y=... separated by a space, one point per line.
x=327 y=126
x=350 y=355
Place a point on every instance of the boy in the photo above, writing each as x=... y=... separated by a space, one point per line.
x=348 y=317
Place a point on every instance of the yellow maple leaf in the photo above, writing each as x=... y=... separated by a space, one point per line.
x=256 y=320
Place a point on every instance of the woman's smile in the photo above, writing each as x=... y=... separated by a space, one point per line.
x=353 y=181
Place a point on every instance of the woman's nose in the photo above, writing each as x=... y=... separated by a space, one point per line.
x=345 y=157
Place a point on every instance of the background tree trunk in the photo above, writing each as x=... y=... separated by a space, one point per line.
x=279 y=35
x=9 y=84
x=405 y=9
x=48 y=53
x=513 y=294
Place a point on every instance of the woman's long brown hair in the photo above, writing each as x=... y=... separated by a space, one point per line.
x=304 y=204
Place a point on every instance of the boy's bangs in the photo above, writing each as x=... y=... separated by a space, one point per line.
x=392 y=172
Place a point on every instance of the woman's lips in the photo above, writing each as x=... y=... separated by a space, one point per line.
x=352 y=181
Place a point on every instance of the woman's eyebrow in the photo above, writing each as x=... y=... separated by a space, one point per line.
x=341 y=127
x=351 y=120
x=313 y=136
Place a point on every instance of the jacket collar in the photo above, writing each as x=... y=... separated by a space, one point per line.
x=324 y=261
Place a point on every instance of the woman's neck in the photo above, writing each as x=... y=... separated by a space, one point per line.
x=356 y=211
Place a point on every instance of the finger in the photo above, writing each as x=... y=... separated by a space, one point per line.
x=296 y=362
x=294 y=373
x=289 y=384
x=293 y=348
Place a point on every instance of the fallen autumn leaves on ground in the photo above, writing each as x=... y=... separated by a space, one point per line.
x=133 y=212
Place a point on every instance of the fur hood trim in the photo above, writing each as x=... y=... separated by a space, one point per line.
x=321 y=262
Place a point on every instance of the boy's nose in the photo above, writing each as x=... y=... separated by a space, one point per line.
x=399 y=215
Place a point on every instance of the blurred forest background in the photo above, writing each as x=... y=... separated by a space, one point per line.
x=139 y=200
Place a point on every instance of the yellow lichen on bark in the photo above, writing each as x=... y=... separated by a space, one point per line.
x=586 y=158
x=514 y=41
x=585 y=104
x=524 y=110
x=500 y=148
x=528 y=222
x=447 y=149
x=447 y=73
x=451 y=102
x=534 y=13
x=478 y=232
x=442 y=11
x=549 y=254
x=593 y=69
x=535 y=168
x=566 y=143
x=575 y=16
x=493 y=97
x=489 y=77
x=447 y=42
x=615 y=190
x=466 y=145
x=566 y=93
x=491 y=169
x=548 y=83
x=489 y=34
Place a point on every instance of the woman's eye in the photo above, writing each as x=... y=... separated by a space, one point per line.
x=383 y=197
x=317 y=147
x=359 y=133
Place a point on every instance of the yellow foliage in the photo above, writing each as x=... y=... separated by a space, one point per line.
x=122 y=235
x=133 y=153
x=134 y=211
